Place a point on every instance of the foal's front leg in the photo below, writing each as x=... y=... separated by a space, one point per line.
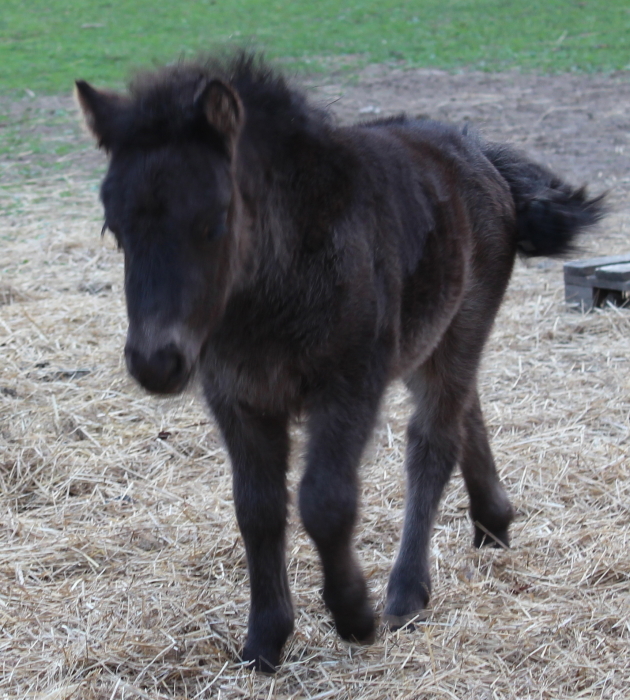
x=329 y=502
x=259 y=447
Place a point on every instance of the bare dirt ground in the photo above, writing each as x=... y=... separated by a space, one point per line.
x=121 y=570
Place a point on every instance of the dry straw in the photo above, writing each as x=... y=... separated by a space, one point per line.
x=121 y=569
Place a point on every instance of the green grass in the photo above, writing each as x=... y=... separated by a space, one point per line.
x=46 y=44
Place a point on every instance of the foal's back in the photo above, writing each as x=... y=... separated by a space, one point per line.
x=439 y=220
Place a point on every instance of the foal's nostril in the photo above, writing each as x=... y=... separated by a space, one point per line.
x=163 y=372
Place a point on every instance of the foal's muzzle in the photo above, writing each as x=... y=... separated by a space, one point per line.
x=161 y=371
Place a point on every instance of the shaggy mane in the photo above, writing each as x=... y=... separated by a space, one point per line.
x=162 y=102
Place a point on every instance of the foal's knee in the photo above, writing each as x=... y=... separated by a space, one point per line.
x=261 y=515
x=432 y=448
x=328 y=510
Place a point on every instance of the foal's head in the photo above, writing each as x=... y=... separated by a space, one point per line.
x=171 y=202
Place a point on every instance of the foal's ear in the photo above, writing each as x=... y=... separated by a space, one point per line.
x=222 y=107
x=102 y=111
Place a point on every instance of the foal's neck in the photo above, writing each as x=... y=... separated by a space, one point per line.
x=294 y=173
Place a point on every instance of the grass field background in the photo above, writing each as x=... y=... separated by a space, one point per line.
x=46 y=44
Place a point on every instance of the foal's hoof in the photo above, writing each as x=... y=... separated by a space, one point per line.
x=397 y=622
x=408 y=595
x=497 y=537
x=267 y=634
x=498 y=540
x=492 y=523
x=352 y=611
x=359 y=628
x=261 y=661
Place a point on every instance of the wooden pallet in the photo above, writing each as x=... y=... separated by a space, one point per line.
x=598 y=281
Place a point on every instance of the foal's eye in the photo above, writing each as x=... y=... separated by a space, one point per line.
x=221 y=228
x=217 y=229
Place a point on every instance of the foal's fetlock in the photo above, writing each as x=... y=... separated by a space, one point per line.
x=359 y=627
x=261 y=659
x=407 y=599
x=264 y=643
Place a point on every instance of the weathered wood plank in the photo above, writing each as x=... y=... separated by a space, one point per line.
x=614 y=273
x=596 y=281
x=584 y=268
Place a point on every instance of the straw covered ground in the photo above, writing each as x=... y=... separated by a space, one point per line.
x=121 y=569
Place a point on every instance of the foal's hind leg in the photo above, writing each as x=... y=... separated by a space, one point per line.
x=443 y=389
x=433 y=446
x=490 y=508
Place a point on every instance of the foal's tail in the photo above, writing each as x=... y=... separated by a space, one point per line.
x=550 y=213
